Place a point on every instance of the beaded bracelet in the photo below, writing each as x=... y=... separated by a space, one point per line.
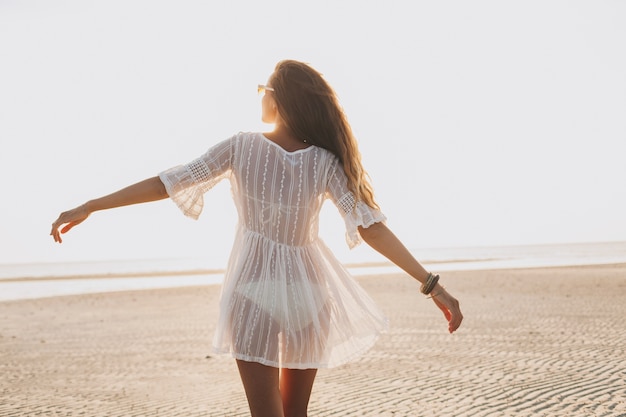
x=430 y=283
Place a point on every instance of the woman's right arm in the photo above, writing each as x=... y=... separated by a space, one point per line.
x=151 y=189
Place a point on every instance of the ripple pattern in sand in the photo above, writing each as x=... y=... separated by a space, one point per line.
x=545 y=342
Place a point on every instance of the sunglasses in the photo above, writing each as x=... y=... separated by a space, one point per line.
x=261 y=89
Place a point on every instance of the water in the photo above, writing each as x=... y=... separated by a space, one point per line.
x=23 y=281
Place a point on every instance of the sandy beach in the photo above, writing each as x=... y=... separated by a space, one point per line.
x=535 y=342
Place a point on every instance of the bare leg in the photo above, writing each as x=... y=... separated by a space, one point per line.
x=295 y=389
x=261 y=384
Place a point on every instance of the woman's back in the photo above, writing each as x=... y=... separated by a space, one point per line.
x=279 y=193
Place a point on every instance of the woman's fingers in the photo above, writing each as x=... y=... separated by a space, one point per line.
x=67 y=228
x=450 y=308
x=456 y=317
x=56 y=234
x=70 y=219
x=55 y=230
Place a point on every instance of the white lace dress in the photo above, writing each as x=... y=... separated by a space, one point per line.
x=286 y=300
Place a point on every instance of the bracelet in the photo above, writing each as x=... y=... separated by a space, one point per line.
x=430 y=283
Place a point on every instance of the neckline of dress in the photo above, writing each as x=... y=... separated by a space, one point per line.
x=271 y=142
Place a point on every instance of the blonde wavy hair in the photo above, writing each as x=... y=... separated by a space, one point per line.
x=310 y=108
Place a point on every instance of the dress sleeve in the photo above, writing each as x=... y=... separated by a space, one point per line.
x=186 y=184
x=354 y=213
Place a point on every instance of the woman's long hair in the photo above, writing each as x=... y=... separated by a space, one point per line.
x=310 y=109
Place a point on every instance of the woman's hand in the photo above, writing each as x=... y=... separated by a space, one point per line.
x=449 y=305
x=70 y=219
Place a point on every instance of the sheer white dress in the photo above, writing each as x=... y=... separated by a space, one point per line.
x=286 y=300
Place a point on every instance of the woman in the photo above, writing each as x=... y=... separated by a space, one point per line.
x=288 y=307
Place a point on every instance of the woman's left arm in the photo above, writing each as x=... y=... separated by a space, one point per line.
x=382 y=239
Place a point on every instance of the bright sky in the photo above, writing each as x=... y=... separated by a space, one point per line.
x=481 y=123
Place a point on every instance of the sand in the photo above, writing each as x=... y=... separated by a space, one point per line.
x=535 y=342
